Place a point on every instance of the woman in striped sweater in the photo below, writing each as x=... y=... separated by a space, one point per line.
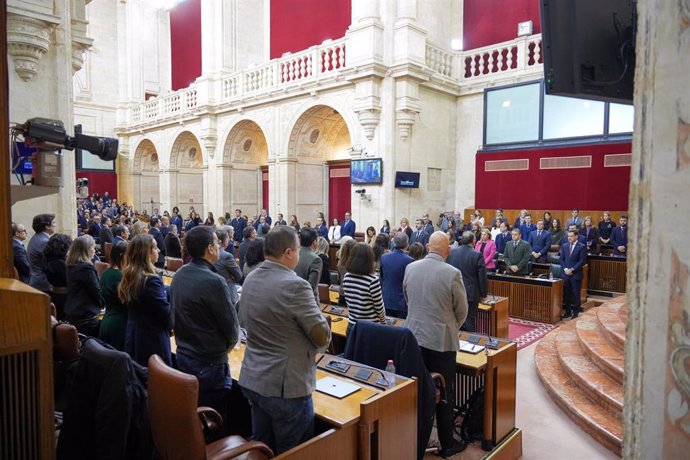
x=362 y=287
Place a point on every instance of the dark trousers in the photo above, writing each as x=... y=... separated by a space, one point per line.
x=443 y=362
x=471 y=321
x=571 y=293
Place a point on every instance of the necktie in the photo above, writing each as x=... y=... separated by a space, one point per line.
x=538 y=233
x=515 y=244
x=571 y=249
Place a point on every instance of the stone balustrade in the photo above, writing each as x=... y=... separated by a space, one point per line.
x=514 y=56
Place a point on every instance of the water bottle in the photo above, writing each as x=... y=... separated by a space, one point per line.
x=550 y=276
x=390 y=373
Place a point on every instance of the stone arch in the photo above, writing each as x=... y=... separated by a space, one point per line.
x=186 y=175
x=146 y=176
x=320 y=132
x=245 y=144
x=186 y=152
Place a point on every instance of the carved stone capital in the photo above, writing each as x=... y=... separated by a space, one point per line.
x=405 y=121
x=28 y=39
x=369 y=119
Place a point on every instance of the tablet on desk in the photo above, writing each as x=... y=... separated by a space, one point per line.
x=335 y=387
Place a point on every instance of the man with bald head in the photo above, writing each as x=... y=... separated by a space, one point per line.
x=436 y=308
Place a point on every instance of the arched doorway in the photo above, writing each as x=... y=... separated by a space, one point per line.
x=186 y=175
x=146 y=177
x=320 y=137
x=244 y=153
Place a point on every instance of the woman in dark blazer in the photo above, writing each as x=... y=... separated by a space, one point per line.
x=322 y=252
x=55 y=254
x=149 y=317
x=84 y=301
x=591 y=234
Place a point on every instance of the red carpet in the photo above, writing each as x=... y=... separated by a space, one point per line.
x=526 y=332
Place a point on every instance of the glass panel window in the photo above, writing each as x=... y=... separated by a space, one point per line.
x=621 y=118
x=571 y=117
x=512 y=114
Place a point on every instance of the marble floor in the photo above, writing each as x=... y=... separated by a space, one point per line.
x=547 y=433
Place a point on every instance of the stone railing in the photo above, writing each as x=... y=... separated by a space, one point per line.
x=515 y=56
x=284 y=72
x=440 y=60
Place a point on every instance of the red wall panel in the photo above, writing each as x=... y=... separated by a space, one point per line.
x=185 y=43
x=583 y=188
x=264 y=188
x=298 y=24
x=493 y=21
x=100 y=182
x=339 y=192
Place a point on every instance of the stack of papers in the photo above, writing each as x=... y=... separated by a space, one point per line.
x=470 y=347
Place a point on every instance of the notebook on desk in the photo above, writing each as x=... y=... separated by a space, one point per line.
x=335 y=387
x=469 y=347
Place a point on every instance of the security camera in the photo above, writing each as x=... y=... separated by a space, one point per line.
x=361 y=191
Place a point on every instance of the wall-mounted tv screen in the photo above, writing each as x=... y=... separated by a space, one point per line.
x=406 y=179
x=366 y=171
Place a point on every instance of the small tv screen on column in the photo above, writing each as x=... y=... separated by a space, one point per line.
x=406 y=179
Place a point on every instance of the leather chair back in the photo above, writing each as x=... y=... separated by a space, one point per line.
x=173 y=263
x=100 y=268
x=173 y=399
x=324 y=294
x=108 y=248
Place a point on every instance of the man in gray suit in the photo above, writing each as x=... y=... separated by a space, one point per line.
x=44 y=226
x=227 y=267
x=471 y=265
x=518 y=253
x=310 y=264
x=436 y=308
x=285 y=330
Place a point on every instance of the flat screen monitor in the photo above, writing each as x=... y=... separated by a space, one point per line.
x=21 y=157
x=406 y=179
x=366 y=171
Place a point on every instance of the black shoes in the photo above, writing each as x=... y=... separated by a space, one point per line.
x=575 y=315
x=566 y=314
x=456 y=448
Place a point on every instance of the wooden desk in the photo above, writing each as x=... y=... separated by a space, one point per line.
x=357 y=426
x=530 y=298
x=492 y=317
x=607 y=274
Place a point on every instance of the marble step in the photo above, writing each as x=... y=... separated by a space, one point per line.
x=567 y=394
x=612 y=324
x=597 y=347
x=597 y=385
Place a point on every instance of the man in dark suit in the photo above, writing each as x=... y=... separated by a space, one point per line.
x=502 y=238
x=428 y=226
x=279 y=220
x=227 y=267
x=392 y=271
x=540 y=240
x=573 y=258
x=249 y=235
x=310 y=265
x=575 y=219
x=120 y=234
x=95 y=228
x=576 y=229
x=471 y=264
x=106 y=235
x=527 y=227
x=349 y=226
x=238 y=223
x=21 y=260
x=321 y=227
x=155 y=232
x=44 y=226
x=619 y=238
x=518 y=254
x=420 y=235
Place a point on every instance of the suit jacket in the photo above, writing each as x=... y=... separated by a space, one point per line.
x=323 y=230
x=158 y=236
x=591 y=238
x=173 y=247
x=580 y=238
x=489 y=253
x=525 y=230
x=619 y=237
x=239 y=224
x=436 y=302
x=520 y=256
x=576 y=220
x=227 y=268
x=348 y=228
x=540 y=244
x=279 y=310
x=420 y=237
x=106 y=236
x=392 y=272
x=21 y=261
x=501 y=240
x=471 y=265
x=309 y=268
x=576 y=260
x=38 y=278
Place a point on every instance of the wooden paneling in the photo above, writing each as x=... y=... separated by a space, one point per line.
x=530 y=298
x=607 y=273
x=6 y=259
x=562 y=215
x=492 y=317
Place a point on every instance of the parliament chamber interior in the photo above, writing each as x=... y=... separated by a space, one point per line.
x=346 y=229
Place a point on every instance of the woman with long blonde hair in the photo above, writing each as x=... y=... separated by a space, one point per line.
x=149 y=317
x=84 y=301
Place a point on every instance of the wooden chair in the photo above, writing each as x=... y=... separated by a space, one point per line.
x=108 y=248
x=173 y=263
x=324 y=293
x=101 y=267
x=176 y=422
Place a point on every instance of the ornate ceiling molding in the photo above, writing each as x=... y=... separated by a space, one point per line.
x=28 y=39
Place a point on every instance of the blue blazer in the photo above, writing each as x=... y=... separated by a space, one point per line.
x=392 y=274
x=239 y=224
x=619 y=238
x=348 y=228
x=501 y=240
x=423 y=238
x=580 y=239
x=541 y=243
x=323 y=230
x=525 y=230
x=576 y=260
